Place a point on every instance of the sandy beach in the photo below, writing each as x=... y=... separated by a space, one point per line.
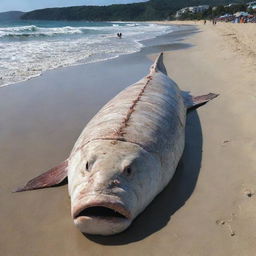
x=209 y=206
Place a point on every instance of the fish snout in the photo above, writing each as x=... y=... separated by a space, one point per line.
x=102 y=181
x=101 y=215
x=114 y=183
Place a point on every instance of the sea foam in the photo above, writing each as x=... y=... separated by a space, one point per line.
x=29 y=49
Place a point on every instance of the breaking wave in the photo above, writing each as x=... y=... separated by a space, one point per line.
x=29 y=50
x=34 y=31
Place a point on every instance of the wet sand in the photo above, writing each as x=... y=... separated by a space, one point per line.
x=40 y=122
x=205 y=210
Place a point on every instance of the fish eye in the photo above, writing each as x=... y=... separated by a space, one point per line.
x=128 y=170
x=87 y=166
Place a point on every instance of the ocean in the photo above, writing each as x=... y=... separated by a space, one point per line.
x=28 y=48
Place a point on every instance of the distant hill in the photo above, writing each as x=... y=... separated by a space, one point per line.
x=151 y=10
x=13 y=15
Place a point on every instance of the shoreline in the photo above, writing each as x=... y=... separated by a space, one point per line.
x=148 y=47
x=208 y=207
x=84 y=62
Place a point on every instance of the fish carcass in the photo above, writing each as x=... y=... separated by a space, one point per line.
x=126 y=154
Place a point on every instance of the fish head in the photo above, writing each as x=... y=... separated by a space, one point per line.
x=110 y=183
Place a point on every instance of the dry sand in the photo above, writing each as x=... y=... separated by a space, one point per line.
x=219 y=217
x=207 y=209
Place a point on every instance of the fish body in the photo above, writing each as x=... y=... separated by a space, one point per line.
x=126 y=154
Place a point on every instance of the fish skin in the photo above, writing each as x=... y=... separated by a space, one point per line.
x=142 y=127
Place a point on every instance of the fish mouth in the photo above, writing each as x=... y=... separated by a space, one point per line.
x=114 y=212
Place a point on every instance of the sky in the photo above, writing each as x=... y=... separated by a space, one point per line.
x=28 y=5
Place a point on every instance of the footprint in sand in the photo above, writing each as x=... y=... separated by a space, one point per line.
x=249 y=193
x=225 y=142
x=226 y=223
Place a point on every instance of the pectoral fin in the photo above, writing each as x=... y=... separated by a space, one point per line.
x=192 y=102
x=53 y=177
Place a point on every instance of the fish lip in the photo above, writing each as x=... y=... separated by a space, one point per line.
x=116 y=206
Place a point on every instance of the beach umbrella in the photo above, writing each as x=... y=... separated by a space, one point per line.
x=239 y=14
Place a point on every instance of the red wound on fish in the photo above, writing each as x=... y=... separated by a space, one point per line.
x=51 y=178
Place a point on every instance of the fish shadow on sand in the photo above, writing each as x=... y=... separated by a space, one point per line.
x=158 y=214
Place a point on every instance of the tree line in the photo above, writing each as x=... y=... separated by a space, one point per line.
x=151 y=10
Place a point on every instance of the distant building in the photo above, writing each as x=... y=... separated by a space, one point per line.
x=192 y=9
x=198 y=9
x=181 y=11
x=252 y=5
x=230 y=5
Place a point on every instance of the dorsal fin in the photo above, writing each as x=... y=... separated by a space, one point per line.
x=158 y=65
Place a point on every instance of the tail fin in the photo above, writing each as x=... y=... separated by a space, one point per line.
x=158 y=65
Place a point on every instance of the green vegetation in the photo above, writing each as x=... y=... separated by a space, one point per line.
x=14 y=15
x=151 y=10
